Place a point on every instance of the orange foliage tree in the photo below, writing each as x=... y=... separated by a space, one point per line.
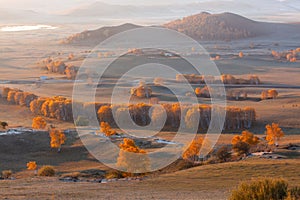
x=192 y=152
x=242 y=143
x=246 y=137
x=58 y=138
x=132 y=158
x=274 y=133
x=106 y=129
x=32 y=166
x=105 y=114
x=273 y=94
x=39 y=123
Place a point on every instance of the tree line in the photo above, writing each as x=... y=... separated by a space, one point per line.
x=61 y=108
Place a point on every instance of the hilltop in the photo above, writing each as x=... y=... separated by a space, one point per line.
x=203 y=26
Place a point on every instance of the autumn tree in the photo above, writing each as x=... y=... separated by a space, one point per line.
x=4 y=124
x=241 y=54
x=5 y=92
x=274 y=133
x=158 y=81
x=192 y=152
x=246 y=137
x=105 y=114
x=242 y=143
x=32 y=166
x=106 y=129
x=192 y=118
x=273 y=94
x=264 y=95
x=198 y=92
x=11 y=96
x=270 y=94
x=132 y=158
x=39 y=123
x=58 y=138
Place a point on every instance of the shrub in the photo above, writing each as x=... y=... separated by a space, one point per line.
x=261 y=189
x=74 y=175
x=46 y=171
x=223 y=154
x=113 y=174
x=6 y=174
x=241 y=148
x=293 y=193
x=4 y=125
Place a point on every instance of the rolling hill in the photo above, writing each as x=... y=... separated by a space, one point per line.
x=203 y=26
x=97 y=36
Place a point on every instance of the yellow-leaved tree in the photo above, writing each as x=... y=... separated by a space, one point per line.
x=246 y=137
x=242 y=143
x=192 y=152
x=274 y=133
x=58 y=138
x=131 y=158
x=106 y=129
x=39 y=123
x=32 y=166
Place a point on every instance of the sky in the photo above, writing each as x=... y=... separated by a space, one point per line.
x=58 y=5
x=290 y=8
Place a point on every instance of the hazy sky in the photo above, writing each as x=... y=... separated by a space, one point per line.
x=57 y=6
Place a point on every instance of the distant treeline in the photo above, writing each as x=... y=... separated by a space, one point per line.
x=225 y=79
x=61 y=108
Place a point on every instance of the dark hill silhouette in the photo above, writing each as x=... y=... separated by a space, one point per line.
x=99 y=35
x=203 y=26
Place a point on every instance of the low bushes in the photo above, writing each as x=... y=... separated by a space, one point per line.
x=265 y=189
x=46 y=171
x=6 y=174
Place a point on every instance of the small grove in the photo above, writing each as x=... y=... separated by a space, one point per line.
x=225 y=79
x=60 y=108
x=241 y=146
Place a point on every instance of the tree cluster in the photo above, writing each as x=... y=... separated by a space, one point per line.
x=132 y=158
x=242 y=143
x=56 y=107
x=236 y=119
x=142 y=91
x=269 y=94
x=290 y=56
x=19 y=97
x=225 y=79
x=60 y=67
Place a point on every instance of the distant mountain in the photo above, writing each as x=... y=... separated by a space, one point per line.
x=97 y=36
x=10 y=16
x=267 y=10
x=104 y=10
x=203 y=26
